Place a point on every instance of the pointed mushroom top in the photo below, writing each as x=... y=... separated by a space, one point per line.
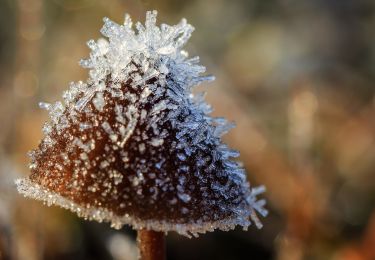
x=133 y=145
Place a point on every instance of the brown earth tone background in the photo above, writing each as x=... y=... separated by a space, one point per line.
x=297 y=77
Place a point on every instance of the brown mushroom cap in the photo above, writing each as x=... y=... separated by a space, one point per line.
x=141 y=150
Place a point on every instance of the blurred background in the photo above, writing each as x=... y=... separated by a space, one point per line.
x=297 y=77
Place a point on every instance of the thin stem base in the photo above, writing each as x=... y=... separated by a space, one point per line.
x=151 y=245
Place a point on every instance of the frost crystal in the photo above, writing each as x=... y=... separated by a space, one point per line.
x=133 y=145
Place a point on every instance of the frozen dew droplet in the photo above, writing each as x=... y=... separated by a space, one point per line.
x=99 y=101
x=156 y=141
x=184 y=197
x=44 y=105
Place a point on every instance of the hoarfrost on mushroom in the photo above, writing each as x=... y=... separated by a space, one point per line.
x=133 y=145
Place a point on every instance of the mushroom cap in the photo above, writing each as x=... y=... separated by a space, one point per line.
x=134 y=146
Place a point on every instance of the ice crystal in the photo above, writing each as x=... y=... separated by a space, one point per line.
x=133 y=145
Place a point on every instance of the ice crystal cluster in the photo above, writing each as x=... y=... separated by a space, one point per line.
x=133 y=145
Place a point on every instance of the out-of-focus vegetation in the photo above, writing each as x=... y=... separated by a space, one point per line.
x=298 y=77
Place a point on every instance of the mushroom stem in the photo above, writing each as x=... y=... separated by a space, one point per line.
x=151 y=244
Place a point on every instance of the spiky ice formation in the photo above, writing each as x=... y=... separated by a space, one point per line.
x=134 y=146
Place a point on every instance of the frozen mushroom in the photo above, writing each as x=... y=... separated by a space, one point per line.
x=133 y=145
